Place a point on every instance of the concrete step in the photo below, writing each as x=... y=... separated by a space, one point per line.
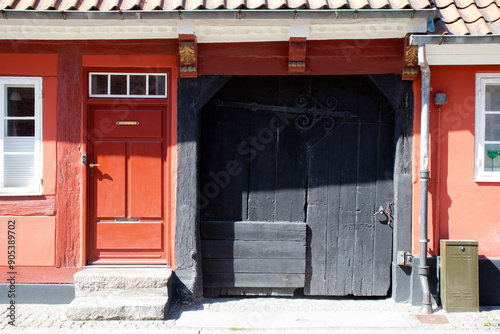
x=125 y=293
x=118 y=308
x=122 y=281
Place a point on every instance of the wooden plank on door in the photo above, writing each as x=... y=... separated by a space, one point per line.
x=291 y=173
x=365 y=198
x=317 y=212
x=262 y=146
x=253 y=280
x=242 y=249
x=333 y=216
x=276 y=266
x=347 y=217
x=385 y=194
x=277 y=231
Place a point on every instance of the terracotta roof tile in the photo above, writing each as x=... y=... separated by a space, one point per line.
x=337 y=4
x=443 y=3
x=463 y=3
x=297 y=4
x=68 y=4
x=470 y=14
x=484 y=3
x=480 y=27
x=359 y=4
x=317 y=4
x=495 y=27
x=490 y=13
x=458 y=28
x=6 y=4
x=420 y=4
x=399 y=4
x=377 y=4
x=449 y=14
x=152 y=4
x=43 y=4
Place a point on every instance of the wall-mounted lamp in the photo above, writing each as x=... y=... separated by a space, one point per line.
x=440 y=99
x=15 y=96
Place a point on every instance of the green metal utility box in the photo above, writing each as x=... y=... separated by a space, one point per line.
x=459 y=282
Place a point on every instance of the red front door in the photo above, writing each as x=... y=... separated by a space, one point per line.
x=126 y=173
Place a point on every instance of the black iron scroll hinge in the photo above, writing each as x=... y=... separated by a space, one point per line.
x=309 y=110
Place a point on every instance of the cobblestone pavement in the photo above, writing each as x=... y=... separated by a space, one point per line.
x=53 y=318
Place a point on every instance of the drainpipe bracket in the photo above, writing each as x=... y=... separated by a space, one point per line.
x=423 y=270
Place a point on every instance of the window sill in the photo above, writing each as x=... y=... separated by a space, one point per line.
x=13 y=194
x=487 y=178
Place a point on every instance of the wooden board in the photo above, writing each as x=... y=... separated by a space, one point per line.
x=263 y=280
x=278 y=231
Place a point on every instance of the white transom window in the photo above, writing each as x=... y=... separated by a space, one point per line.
x=128 y=85
x=487 y=132
x=21 y=136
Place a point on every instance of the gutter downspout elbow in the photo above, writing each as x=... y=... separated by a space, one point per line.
x=423 y=268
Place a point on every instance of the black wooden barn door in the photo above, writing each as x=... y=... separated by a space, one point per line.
x=292 y=173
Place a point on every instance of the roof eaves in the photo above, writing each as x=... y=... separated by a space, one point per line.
x=222 y=14
x=454 y=39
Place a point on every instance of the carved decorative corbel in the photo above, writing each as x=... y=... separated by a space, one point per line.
x=297 y=55
x=188 y=56
x=410 y=67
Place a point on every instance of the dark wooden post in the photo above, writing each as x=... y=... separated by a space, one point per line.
x=192 y=94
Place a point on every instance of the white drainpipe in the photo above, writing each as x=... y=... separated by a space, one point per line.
x=423 y=268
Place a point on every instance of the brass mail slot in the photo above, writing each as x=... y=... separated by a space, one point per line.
x=127 y=122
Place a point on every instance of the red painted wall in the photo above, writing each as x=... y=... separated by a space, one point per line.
x=51 y=233
x=459 y=207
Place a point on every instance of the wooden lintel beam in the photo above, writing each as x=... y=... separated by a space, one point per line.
x=297 y=55
x=188 y=56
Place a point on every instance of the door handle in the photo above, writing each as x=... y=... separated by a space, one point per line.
x=91 y=165
x=381 y=210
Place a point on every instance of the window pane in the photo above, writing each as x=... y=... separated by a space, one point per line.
x=137 y=85
x=157 y=85
x=19 y=170
x=16 y=128
x=99 y=84
x=492 y=129
x=19 y=144
x=492 y=98
x=118 y=85
x=491 y=158
x=21 y=102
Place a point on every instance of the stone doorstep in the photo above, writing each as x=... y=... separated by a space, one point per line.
x=121 y=293
x=97 y=279
x=118 y=308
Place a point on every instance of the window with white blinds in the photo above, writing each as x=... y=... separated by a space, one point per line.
x=20 y=142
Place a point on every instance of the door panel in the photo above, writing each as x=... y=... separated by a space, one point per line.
x=127 y=211
x=123 y=235
x=136 y=123
x=145 y=179
x=109 y=179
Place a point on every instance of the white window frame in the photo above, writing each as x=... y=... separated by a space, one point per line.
x=128 y=95
x=37 y=188
x=480 y=174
